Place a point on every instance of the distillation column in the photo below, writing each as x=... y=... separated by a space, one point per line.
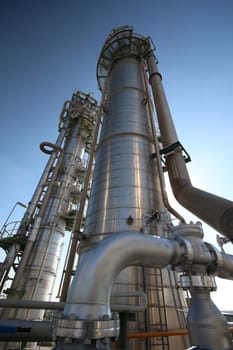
x=128 y=242
x=126 y=191
x=36 y=274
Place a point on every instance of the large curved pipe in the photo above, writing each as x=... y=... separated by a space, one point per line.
x=100 y=266
x=215 y=211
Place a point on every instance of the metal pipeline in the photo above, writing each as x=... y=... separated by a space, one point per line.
x=225 y=266
x=10 y=257
x=26 y=330
x=215 y=211
x=157 y=150
x=157 y=334
x=92 y=298
x=53 y=305
x=89 y=304
x=91 y=301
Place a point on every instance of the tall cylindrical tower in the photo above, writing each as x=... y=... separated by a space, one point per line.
x=57 y=192
x=126 y=193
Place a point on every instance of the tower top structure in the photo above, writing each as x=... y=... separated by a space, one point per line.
x=122 y=41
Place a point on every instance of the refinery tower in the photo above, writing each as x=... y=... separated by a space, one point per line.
x=136 y=275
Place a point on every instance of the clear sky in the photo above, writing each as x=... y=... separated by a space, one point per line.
x=49 y=48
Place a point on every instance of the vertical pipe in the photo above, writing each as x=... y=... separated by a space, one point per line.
x=39 y=269
x=215 y=211
x=158 y=160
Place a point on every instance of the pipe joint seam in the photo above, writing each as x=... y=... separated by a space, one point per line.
x=217 y=259
x=88 y=329
x=155 y=74
x=198 y=257
x=187 y=256
x=121 y=250
x=198 y=281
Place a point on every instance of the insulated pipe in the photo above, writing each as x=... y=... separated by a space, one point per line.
x=225 y=268
x=9 y=259
x=159 y=165
x=91 y=300
x=215 y=211
x=26 y=330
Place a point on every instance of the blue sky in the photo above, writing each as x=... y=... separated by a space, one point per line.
x=49 y=48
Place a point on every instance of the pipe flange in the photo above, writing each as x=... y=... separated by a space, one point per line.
x=217 y=259
x=188 y=256
x=83 y=329
x=198 y=281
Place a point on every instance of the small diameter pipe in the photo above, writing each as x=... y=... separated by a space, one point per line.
x=158 y=160
x=215 y=211
x=130 y=307
x=26 y=330
x=31 y=304
x=157 y=334
x=162 y=334
x=43 y=331
x=59 y=306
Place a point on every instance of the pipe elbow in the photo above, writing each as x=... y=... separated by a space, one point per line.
x=214 y=210
x=100 y=266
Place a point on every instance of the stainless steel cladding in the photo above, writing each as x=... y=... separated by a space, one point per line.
x=126 y=192
x=125 y=184
x=122 y=266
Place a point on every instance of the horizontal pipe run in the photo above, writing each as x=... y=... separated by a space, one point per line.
x=31 y=304
x=26 y=330
x=157 y=334
x=130 y=307
x=59 y=306
x=162 y=334
x=43 y=331
x=122 y=250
